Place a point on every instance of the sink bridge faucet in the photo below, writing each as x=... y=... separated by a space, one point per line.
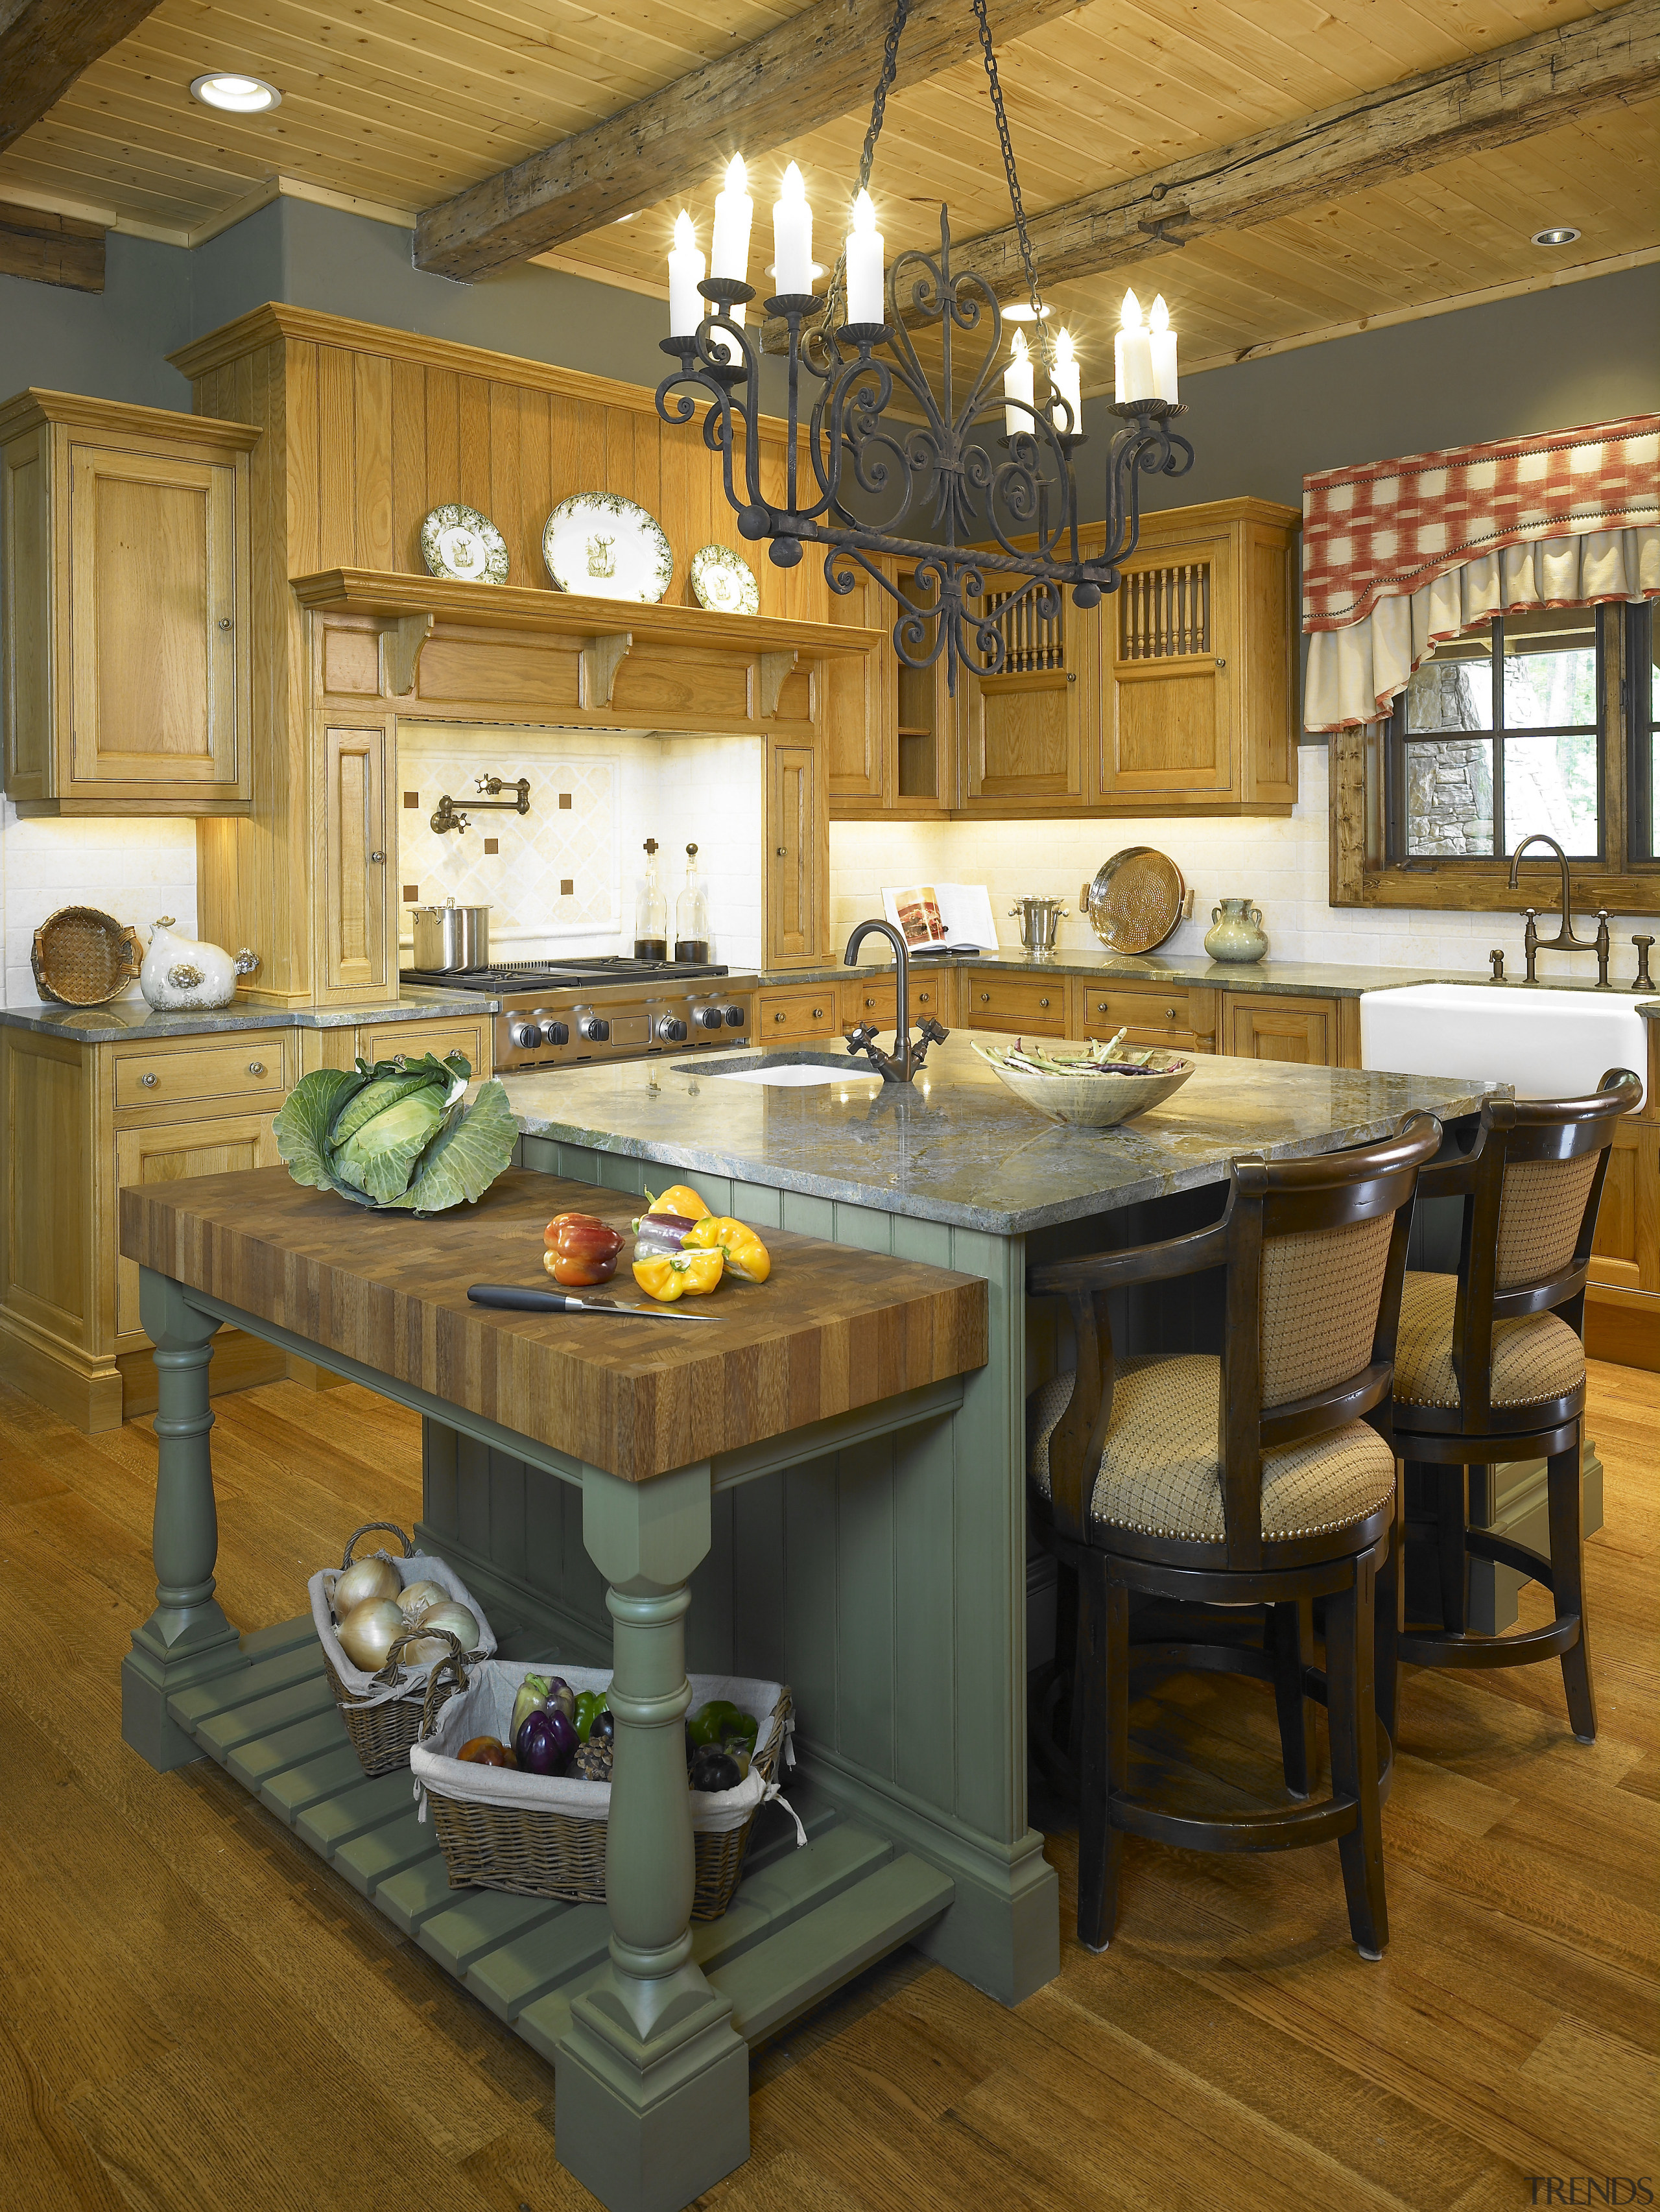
x=1564 y=940
x=899 y=1065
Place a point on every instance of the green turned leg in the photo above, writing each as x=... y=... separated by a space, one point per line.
x=653 y=2080
x=187 y=1638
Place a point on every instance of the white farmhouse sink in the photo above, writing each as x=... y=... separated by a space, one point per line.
x=1547 y=1044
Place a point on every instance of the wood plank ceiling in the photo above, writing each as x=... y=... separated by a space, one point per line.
x=400 y=103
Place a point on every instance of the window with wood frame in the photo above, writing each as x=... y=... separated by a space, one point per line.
x=1536 y=721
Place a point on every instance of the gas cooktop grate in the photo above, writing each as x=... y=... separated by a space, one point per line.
x=594 y=968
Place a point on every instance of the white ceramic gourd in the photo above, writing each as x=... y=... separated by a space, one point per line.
x=182 y=975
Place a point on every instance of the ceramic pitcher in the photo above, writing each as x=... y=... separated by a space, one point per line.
x=1238 y=934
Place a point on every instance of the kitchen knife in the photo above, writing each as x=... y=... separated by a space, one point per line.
x=518 y=1299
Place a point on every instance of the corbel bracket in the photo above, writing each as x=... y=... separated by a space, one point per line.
x=400 y=653
x=601 y=658
x=773 y=668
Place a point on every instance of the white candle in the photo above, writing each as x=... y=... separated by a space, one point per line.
x=1164 y=352
x=734 y=210
x=1132 y=354
x=864 y=252
x=686 y=303
x=792 y=237
x=1064 y=384
x=1017 y=385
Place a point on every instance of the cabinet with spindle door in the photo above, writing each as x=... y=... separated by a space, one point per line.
x=1197 y=663
x=1021 y=731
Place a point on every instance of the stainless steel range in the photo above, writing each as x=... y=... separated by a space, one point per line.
x=555 y=1014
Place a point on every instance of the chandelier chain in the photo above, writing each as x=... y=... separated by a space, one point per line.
x=1013 y=176
x=836 y=288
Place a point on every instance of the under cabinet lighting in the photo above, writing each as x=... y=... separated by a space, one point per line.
x=235 y=96
x=1563 y=237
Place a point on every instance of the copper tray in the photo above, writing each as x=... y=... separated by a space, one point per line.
x=1135 y=899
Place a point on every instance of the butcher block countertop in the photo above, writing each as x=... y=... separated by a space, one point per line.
x=834 y=1330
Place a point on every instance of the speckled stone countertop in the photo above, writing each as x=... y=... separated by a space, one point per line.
x=957 y=1146
x=1295 y=979
x=131 y=1017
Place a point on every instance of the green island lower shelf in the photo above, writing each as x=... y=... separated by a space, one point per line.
x=805 y=1919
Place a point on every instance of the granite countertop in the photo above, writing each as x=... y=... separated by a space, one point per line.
x=957 y=1146
x=1296 y=979
x=131 y=1017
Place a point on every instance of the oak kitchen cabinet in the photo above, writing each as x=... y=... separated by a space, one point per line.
x=79 y=1120
x=1182 y=1017
x=1306 y=1032
x=127 y=643
x=996 y=998
x=891 y=731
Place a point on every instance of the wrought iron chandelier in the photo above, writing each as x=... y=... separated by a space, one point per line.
x=899 y=467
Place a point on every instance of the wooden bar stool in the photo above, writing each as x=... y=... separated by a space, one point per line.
x=1264 y=1478
x=1491 y=1369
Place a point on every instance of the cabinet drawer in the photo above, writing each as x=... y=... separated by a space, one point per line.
x=994 y=1001
x=250 y=1069
x=1100 y=1012
x=787 y=1017
x=385 y=1040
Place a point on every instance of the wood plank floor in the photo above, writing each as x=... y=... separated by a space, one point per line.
x=196 y=2015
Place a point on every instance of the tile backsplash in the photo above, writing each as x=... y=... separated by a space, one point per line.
x=623 y=788
x=134 y=870
x=1280 y=862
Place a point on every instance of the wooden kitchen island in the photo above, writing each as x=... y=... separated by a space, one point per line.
x=618 y=1445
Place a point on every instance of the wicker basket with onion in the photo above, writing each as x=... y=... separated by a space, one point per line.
x=384 y=1623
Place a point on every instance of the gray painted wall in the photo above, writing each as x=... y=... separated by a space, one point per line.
x=1582 y=354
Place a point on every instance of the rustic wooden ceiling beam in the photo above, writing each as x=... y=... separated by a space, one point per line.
x=1556 y=77
x=818 y=66
x=51 y=249
x=45 y=44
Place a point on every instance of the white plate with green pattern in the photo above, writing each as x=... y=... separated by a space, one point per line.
x=464 y=546
x=606 y=548
x=724 y=582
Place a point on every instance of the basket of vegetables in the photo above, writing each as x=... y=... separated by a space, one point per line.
x=384 y=1623
x=515 y=1766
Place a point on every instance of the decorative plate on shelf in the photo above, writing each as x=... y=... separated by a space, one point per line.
x=1135 y=899
x=606 y=548
x=724 y=582
x=464 y=546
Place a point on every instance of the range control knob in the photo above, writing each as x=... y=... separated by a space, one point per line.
x=524 y=1034
x=710 y=1017
x=556 y=1033
x=593 y=1028
x=734 y=1017
x=671 y=1029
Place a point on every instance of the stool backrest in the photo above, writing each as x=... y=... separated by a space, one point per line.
x=1531 y=1183
x=1315 y=1252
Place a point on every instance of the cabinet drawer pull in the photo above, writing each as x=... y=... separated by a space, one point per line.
x=377 y=858
x=779 y=1018
x=818 y=1013
x=922 y=999
x=985 y=997
x=1043 y=1002
x=149 y=1082
x=1100 y=1005
x=780 y=850
x=870 y=1002
x=1170 y=1013
x=255 y=1067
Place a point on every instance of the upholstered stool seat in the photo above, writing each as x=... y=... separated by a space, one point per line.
x=1161 y=1473
x=1535 y=1356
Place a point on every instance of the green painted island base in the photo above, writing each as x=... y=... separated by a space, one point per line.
x=804 y=1922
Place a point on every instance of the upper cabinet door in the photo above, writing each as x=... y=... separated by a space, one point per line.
x=1168 y=649
x=858 y=712
x=797 y=844
x=1022 y=729
x=158 y=687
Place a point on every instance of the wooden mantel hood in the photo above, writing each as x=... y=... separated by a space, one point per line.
x=537 y=612
x=444 y=648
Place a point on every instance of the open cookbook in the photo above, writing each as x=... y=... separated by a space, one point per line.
x=929 y=916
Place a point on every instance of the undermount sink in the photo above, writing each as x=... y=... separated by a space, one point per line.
x=796 y=1071
x=1545 y=1044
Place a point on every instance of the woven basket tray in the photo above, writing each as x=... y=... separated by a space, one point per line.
x=382 y=1734
x=537 y=1852
x=81 y=957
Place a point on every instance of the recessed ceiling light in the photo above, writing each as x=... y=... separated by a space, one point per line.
x=1555 y=237
x=235 y=96
x=1022 y=311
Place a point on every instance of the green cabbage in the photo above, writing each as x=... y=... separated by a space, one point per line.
x=397 y=1134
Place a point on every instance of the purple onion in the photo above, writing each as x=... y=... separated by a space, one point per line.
x=655 y=1234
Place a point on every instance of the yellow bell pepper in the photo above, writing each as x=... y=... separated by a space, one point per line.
x=670 y=1275
x=681 y=1199
x=747 y=1257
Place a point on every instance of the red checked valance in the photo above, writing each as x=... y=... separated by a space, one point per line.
x=1387 y=529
